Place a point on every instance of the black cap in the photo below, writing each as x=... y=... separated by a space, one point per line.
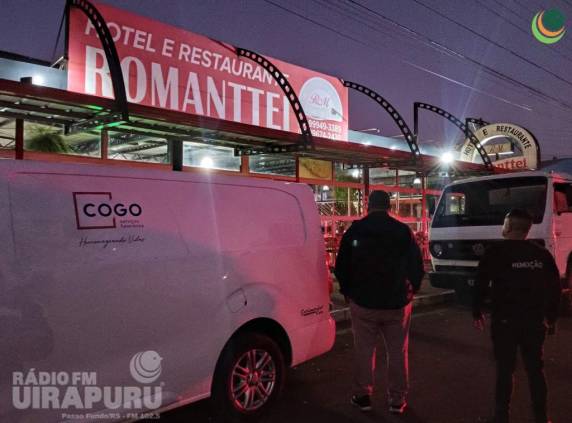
x=379 y=200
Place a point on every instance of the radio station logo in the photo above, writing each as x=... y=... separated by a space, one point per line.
x=548 y=26
x=98 y=210
x=80 y=394
x=145 y=367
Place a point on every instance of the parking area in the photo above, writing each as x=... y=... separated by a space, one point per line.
x=451 y=378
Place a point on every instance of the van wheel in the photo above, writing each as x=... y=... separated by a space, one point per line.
x=248 y=378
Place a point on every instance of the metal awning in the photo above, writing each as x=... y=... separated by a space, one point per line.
x=77 y=112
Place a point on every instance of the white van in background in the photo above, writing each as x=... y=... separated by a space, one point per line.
x=124 y=291
x=470 y=215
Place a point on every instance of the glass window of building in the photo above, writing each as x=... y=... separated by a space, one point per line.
x=348 y=201
x=382 y=176
x=338 y=201
x=324 y=196
x=432 y=201
x=347 y=175
x=53 y=139
x=137 y=147
x=409 y=179
x=273 y=165
x=209 y=157
x=438 y=180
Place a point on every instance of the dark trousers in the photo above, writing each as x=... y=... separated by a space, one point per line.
x=529 y=337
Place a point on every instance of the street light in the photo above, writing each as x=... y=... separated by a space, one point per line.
x=207 y=162
x=38 y=80
x=447 y=157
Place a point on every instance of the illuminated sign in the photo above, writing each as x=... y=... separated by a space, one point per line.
x=170 y=68
x=522 y=148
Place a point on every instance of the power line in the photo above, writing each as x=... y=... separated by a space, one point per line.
x=515 y=12
x=518 y=27
x=442 y=49
x=528 y=21
x=560 y=103
x=472 y=31
x=350 y=13
x=59 y=35
x=343 y=10
x=416 y=66
x=377 y=29
x=524 y=6
x=337 y=32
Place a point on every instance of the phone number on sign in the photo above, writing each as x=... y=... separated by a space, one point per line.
x=325 y=134
x=325 y=126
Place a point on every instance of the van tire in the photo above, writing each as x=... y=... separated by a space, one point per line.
x=240 y=352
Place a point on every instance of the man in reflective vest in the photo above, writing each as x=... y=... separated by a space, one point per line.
x=525 y=293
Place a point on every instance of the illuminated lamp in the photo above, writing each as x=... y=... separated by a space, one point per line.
x=207 y=162
x=447 y=158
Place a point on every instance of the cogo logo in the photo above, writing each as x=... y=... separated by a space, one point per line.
x=107 y=210
x=96 y=210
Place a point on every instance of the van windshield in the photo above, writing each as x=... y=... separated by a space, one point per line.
x=487 y=202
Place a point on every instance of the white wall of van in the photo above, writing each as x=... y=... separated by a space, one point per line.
x=98 y=264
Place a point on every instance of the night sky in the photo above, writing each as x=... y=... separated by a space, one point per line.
x=474 y=58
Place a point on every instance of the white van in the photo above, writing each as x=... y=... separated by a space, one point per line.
x=126 y=291
x=470 y=215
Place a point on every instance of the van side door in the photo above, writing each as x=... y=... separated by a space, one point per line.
x=562 y=224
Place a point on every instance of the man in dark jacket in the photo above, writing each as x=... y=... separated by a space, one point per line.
x=379 y=268
x=525 y=294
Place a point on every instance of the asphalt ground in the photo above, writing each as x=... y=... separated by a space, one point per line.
x=452 y=373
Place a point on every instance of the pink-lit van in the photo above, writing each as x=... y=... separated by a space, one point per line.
x=125 y=291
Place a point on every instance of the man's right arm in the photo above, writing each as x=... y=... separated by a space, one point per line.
x=415 y=270
x=343 y=262
x=553 y=291
x=481 y=285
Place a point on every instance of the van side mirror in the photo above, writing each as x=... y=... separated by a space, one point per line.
x=561 y=207
x=562 y=199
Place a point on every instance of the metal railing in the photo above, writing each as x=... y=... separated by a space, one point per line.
x=339 y=208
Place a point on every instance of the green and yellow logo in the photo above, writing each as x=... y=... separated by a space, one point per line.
x=548 y=26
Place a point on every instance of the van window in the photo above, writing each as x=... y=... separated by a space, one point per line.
x=251 y=218
x=486 y=202
x=454 y=204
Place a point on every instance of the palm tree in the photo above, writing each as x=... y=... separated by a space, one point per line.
x=46 y=140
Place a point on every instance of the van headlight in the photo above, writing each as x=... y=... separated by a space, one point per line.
x=437 y=249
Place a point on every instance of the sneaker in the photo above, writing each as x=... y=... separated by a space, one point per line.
x=363 y=402
x=397 y=408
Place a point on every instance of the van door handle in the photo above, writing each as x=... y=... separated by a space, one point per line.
x=557 y=233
